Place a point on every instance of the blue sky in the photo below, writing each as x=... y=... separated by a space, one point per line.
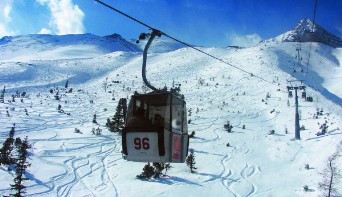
x=199 y=22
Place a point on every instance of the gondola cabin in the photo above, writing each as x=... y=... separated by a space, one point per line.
x=156 y=128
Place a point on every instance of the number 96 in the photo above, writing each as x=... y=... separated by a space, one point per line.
x=141 y=143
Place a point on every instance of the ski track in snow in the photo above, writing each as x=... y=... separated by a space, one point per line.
x=77 y=167
x=226 y=173
x=65 y=182
x=227 y=176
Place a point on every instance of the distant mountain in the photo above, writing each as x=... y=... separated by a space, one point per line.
x=306 y=31
x=48 y=47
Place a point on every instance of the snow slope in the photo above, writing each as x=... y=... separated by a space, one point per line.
x=65 y=163
x=52 y=47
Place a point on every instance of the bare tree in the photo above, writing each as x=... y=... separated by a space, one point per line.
x=331 y=176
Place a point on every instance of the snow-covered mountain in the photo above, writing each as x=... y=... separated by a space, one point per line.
x=51 y=47
x=66 y=163
x=306 y=31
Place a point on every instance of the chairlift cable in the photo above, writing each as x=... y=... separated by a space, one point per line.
x=313 y=24
x=116 y=10
x=314 y=17
x=184 y=43
x=219 y=59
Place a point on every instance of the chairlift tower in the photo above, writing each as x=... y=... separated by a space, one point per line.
x=296 y=88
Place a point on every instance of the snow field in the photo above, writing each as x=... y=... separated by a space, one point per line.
x=65 y=163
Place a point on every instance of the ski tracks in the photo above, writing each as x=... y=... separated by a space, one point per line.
x=248 y=171
x=237 y=184
x=237 y=179
x=80 y=166
x=225 y=175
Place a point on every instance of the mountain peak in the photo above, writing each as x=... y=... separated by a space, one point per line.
x=307 y=31
x=306 y=25
x=115 y=36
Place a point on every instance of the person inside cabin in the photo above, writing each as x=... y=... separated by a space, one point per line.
x=139 y=120
x=159 y=122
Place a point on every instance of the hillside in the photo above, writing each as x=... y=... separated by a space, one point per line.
x=65 y=163
x=53 y=47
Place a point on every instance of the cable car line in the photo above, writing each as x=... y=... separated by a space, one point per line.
x=184 y=43
x=313 y=31
x=314 y=17
x=222 y=61
x=116 y=10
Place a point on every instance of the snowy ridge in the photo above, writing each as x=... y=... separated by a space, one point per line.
x=52 y=47
x=65 y=163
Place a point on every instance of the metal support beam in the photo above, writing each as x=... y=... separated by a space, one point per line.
x=297 y=129
x=152 y=36
x=296 y=88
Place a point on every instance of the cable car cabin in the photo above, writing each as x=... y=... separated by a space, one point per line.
x=304 y=95
x=290 y=94
x=156 y=128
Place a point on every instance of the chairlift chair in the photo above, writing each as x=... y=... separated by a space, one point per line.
x=289 y=89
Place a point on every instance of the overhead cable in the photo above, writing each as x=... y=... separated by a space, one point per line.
x=184 y=43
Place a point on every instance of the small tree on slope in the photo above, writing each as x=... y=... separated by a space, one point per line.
x=94 y=119
x=117 y=121
x=155 y=171
x=6 y=150
x=147 y=173
x=190 y=161
x=2 y=96
x=20 y=167
x=228 y=127
x=66 y=84
x=159 y=167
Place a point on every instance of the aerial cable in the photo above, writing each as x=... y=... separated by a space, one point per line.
x=116 y=10
x=217 y=58
x=184 y=43
x=314 y=17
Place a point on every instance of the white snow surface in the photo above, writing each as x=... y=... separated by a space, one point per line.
x=52 y=47
x=65 y=163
